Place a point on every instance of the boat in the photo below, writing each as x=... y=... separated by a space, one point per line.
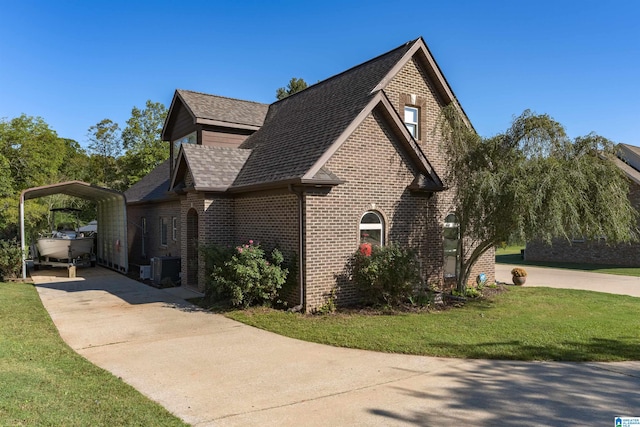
x=65 y=244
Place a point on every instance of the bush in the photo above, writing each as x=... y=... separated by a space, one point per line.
x=247 y=277
x=10 y=259
x=388 y=276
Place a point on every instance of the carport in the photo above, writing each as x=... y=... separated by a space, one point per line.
x=112 y=250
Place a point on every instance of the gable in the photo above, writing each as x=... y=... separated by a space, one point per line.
x=179 y=122
x=212 y=169
x=189 y=108
x=381 y=127
x=299 y=129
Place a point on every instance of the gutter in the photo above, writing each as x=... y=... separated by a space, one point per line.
x=301 y=222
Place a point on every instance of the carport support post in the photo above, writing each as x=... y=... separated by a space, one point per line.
x=22 y=251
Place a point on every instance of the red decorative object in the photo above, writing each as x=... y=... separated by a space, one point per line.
x=365 y=249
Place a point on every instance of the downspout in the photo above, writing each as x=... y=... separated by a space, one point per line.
x=301 y=271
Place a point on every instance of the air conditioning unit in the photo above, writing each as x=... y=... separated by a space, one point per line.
x=145 y=272
x=165 y=267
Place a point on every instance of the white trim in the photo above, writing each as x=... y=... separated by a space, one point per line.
x=174 y=228
x=415 y=111
x=372 y=226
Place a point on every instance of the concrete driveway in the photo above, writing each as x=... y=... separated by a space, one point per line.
x=573 y=279
x=210 y=370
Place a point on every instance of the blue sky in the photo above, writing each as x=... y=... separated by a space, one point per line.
x=75 y=63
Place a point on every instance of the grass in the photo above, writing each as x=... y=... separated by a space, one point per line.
x=511 y=255
x=521 y=324
x=45 y=383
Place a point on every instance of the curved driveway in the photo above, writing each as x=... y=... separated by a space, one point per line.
x=210 y=370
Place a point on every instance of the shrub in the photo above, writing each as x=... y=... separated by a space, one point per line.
x=10 y=259
x=388 y=276
x=519 y=272
x=247 y=277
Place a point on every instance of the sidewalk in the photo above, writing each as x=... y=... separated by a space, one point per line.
x=573 y=279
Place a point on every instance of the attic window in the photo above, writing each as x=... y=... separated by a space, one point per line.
x=411 y=115
x=188 y=139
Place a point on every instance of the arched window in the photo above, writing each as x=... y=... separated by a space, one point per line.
x=451 y=238
x=372 y=228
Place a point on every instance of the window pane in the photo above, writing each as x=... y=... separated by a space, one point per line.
x=412 y=129
x=370 y=218
x=410 y=115
x=373 y=237
x=451 y=219
x=450 y=266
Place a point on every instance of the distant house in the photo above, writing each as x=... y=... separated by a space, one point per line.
x=581 y=250
x=354 y=158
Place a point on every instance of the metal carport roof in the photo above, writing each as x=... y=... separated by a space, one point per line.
x=112 y=248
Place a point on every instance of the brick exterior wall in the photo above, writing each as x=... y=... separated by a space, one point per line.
x=413 y=83
x=377 y=174
x=152 y=245
x=589 y=251
x=272 y=220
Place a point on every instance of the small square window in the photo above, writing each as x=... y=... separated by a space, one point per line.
x=411 y=115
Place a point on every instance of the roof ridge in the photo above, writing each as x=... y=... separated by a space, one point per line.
x=220 y=96
x=404 y=45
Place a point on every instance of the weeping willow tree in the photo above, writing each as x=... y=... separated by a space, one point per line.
x=532 y=182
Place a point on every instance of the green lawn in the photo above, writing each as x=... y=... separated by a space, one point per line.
x=45 y=383
x=521 y=324
x=511 y=255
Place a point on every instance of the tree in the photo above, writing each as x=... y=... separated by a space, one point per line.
x=31 y=154
x=532 y=182
x=142 y=140
x=33 y=151
x=104 y=148
x=295 y=85
x=76 y=164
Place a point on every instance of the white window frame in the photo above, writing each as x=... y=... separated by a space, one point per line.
x=455 y=225
x=174 y=228
x=412 y=126
x=372 y=226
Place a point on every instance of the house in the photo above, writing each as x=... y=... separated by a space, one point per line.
x=356 y=157
x=581 y=250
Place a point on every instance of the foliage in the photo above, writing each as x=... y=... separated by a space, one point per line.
x=532 y=182
x=31 y=154
x=142 y=138
x=10 y=259
x=104 y=147
x=294 y=85
x=388 y=276
x=249 y=277
x=519 y=272
x=45 y=383
x=329 y=306
x=521 y=324
x=31 y=150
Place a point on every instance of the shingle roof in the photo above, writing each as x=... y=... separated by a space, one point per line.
x=153 y=186
x=213 y=168
x=301 y=127
x=223 y=109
